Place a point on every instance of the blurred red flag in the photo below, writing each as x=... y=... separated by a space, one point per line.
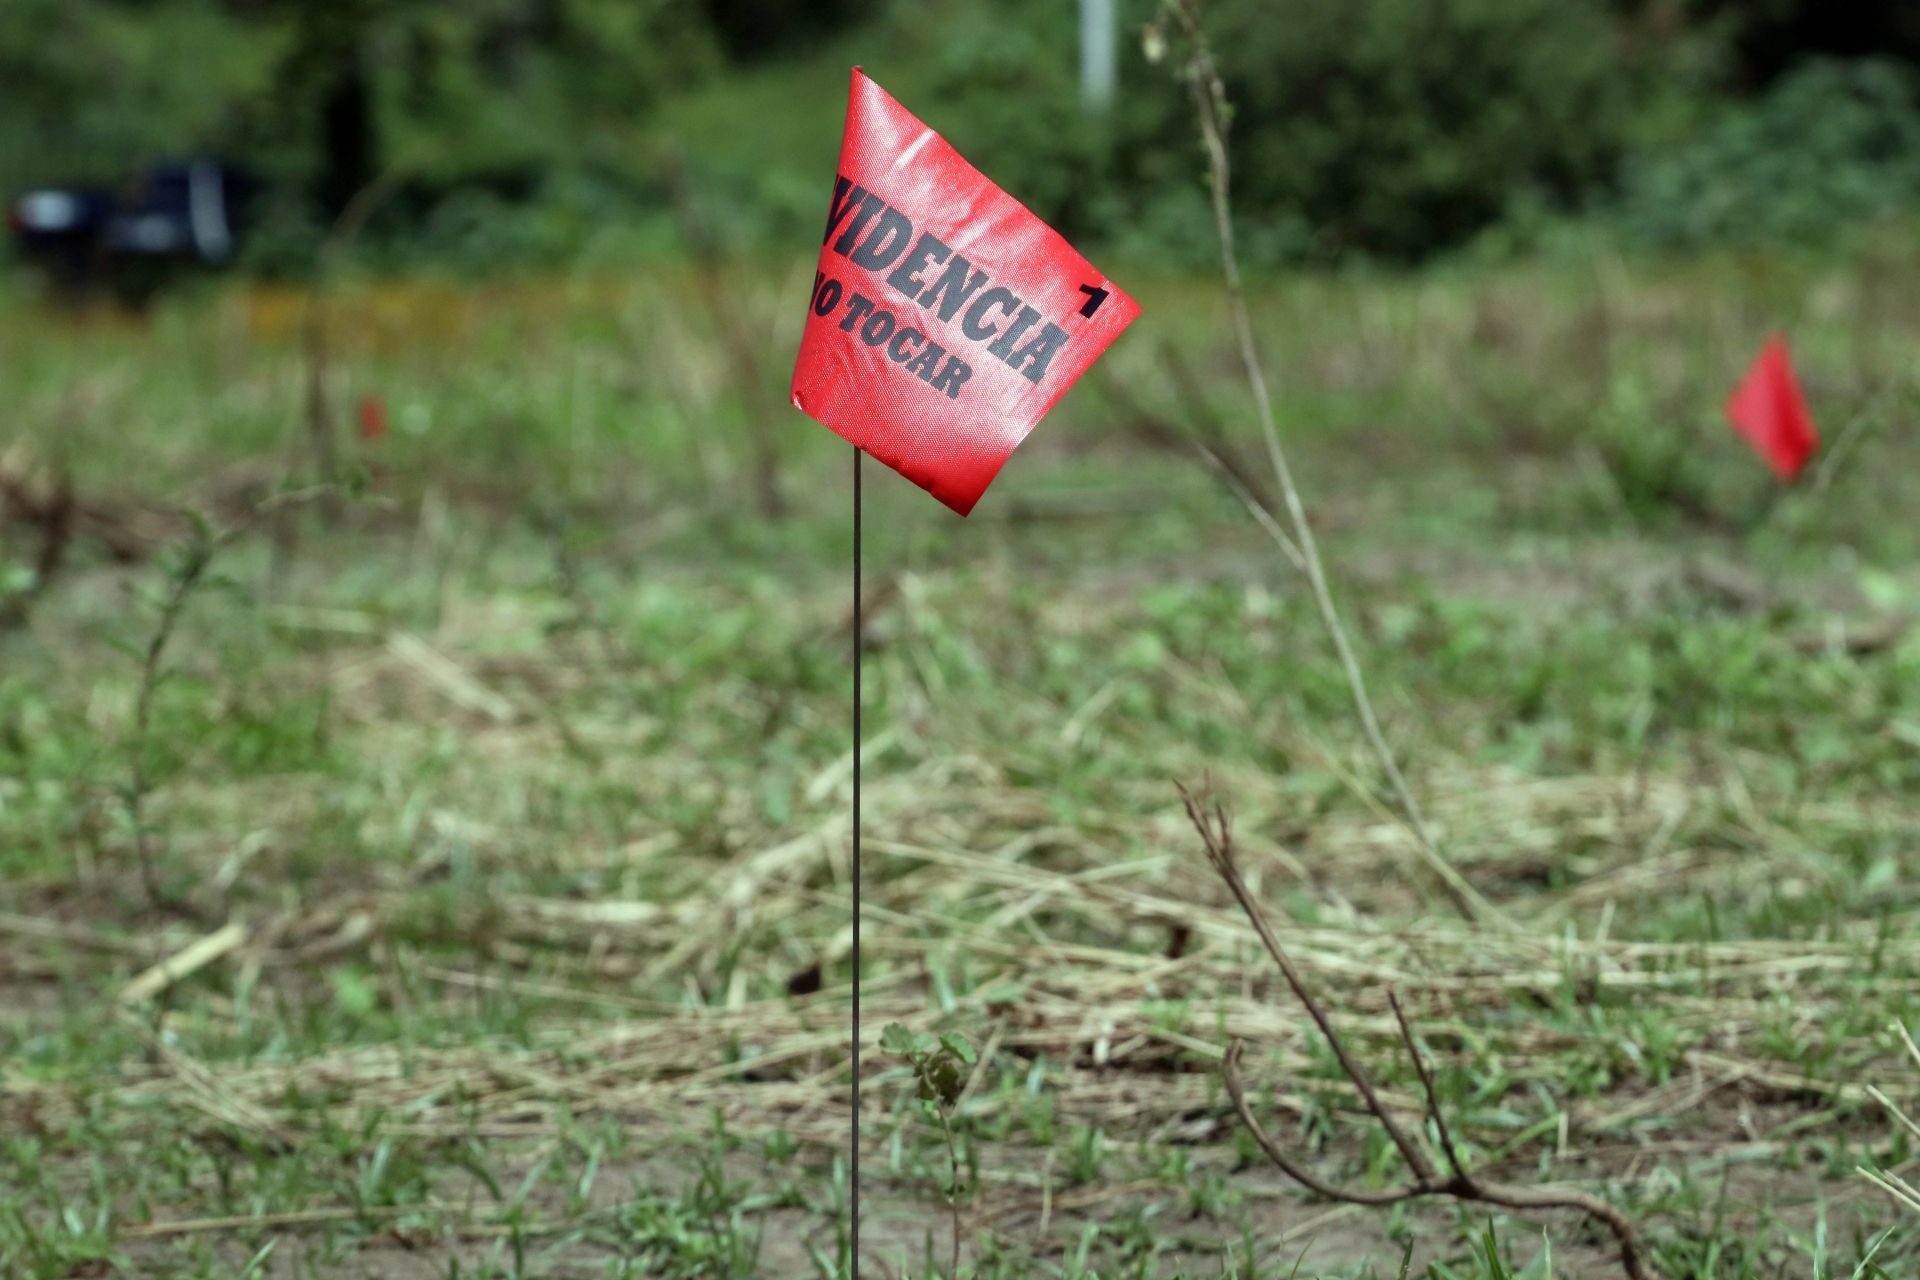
x=946 y=319
x=373 y=417
x=1768 y=409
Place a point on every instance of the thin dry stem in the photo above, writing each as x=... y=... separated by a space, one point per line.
x=1894 y=1185
x=1218 y=839
x=1906 y=1038
x=1428 y=1086
x=1209 y=98
x=953 y=1194
x=1886 y=1179
x=198 y=557
x=54 y=517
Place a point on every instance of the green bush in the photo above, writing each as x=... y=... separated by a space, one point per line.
x=88 y=88
x=538 y=130
x=1382 y=127
x=1830 y=144
x=1397 y=127
x=1005 y=86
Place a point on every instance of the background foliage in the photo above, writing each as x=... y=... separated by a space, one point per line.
x=539 y=130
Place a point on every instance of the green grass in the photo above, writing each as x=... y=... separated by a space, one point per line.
x=528 y=778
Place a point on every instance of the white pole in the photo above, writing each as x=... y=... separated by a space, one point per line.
x=1097 y=43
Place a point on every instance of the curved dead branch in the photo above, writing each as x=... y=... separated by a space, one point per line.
x=1457 y=1181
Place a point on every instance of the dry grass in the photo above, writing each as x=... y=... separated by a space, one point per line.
x=535 y=827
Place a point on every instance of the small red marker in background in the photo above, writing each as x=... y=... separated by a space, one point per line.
x=373 y=418
x=1768 y=409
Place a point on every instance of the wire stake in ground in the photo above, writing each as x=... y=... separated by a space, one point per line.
x=859 y=639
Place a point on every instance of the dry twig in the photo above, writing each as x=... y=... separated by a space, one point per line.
x=1903 y=1192
x=1456 y=1181
x=187 y=573
x=184 y=963
x=195 y=558
x=1210 y=108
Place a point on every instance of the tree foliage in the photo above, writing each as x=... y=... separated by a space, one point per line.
x=94 y=85
x=441 y=89
x=1387 y=129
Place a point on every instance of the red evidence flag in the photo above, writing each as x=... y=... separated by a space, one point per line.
x=946 y=318
x=1768 y=409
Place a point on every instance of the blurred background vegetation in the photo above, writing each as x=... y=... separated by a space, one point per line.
x=509 y=132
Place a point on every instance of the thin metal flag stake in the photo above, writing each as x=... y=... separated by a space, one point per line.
x=891 y=363
x=858 y=628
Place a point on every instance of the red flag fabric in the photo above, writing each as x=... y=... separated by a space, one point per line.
x=946 y=318
x=1768 y=409
x=373 y=418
